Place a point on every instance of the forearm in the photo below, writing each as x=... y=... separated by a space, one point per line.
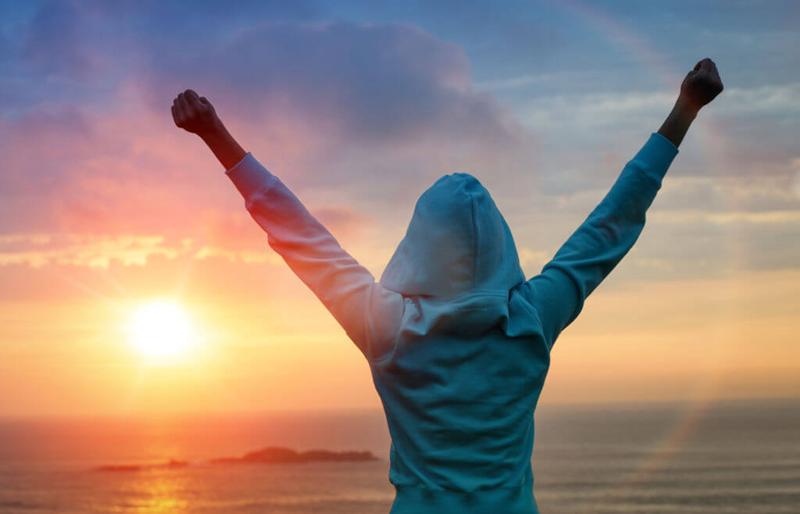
x=679 y=120
x=225 y=147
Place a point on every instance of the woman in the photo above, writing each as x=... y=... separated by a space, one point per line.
x=457 y=339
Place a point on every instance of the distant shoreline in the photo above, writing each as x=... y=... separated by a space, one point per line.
x=267 y=455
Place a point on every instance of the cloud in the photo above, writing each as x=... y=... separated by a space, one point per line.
x=539 y=79
x=725 y=218
x=56 y=44
x=363 y=83
x=602 y=109
x=742 y=193
x=357 y=118
x=102 y=251
x=38 y=250
x=532 y=260
x=80 y=171
x=37 y=140
x=795 y=186
x=631 y=108
x=329 y=107
x=781 y=99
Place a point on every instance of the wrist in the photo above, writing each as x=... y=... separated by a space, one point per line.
x=685 y=108
x=213 y=131
x=222 y=143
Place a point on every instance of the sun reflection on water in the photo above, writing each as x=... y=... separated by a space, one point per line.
x=160 y=493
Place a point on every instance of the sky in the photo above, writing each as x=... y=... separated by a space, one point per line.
x=359 y=106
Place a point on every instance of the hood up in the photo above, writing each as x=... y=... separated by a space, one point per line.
x=457 y=242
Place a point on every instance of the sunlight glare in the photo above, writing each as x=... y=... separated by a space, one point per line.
x=161 y=329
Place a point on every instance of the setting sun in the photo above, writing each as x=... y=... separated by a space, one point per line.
x=161 y=329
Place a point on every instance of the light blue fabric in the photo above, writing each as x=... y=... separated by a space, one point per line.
x=457 y=340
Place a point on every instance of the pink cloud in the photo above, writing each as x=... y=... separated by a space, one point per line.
x=321 y=111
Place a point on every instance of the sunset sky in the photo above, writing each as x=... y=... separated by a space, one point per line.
x=106 y=207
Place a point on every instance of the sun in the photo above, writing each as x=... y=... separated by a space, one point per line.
x=161 y=330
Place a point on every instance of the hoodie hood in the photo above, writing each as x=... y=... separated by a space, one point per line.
x=457 y=242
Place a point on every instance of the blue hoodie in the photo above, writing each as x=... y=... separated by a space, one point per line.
x=457 y=339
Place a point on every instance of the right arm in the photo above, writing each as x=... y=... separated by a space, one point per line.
x=559 y=291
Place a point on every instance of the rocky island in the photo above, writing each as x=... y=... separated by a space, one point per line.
x=268 y=455
x=281 y=455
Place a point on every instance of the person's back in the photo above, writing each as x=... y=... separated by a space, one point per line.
x=463 y=373
x=457 y=340
x=464 y=367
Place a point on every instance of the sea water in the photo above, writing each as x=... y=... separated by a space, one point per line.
x=698 y=457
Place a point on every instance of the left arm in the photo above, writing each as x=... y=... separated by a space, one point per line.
x=366 y=310
x=369 y=313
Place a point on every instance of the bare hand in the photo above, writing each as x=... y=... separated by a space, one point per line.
x=701 y=85
x=194 y=113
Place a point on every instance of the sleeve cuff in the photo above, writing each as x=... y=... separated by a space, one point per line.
x=657 y=155
x=249 y=175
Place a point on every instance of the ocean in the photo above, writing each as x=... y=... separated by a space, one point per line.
x=701 y=457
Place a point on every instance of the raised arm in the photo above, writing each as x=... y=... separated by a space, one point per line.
x=559 y=291
x=368 y=313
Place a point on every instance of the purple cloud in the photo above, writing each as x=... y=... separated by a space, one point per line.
x=363 y=83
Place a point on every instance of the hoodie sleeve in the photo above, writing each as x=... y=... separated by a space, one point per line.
x=369 y=313
x=601 y=241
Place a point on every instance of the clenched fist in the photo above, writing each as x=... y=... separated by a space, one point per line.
x=702 y=84
x=194 y=113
